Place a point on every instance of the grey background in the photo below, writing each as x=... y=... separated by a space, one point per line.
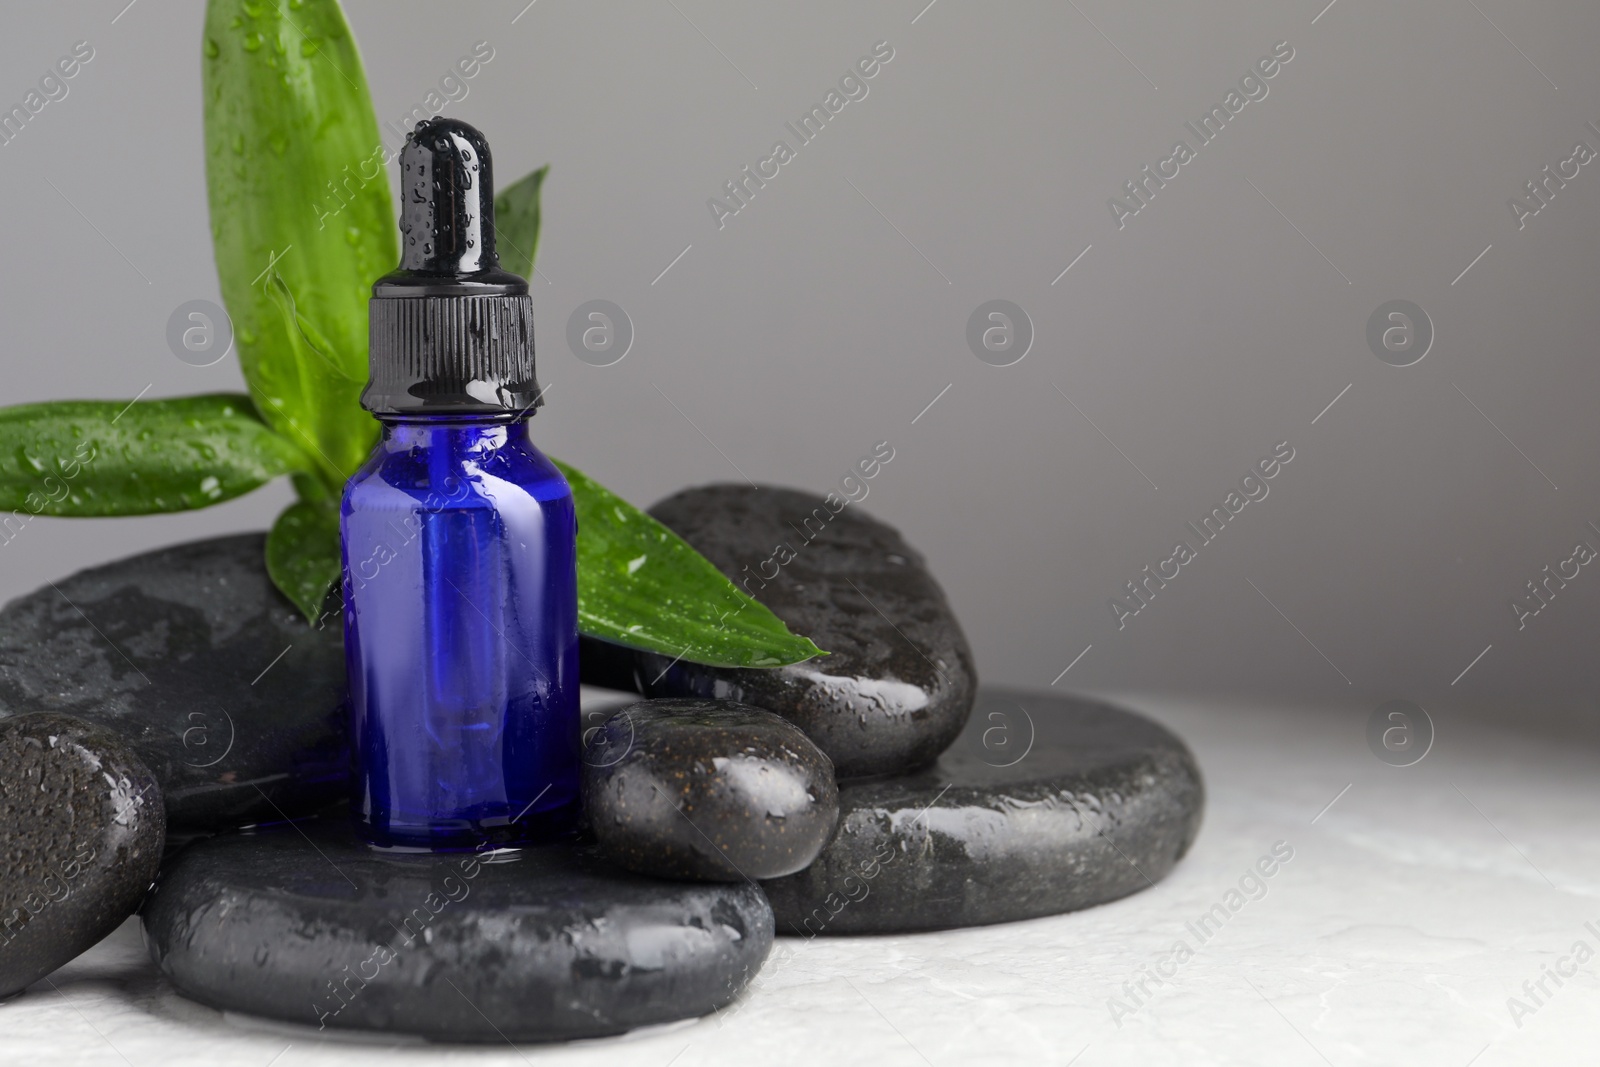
x=829 y=313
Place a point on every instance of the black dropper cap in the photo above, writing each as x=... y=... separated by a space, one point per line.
x=450 y=332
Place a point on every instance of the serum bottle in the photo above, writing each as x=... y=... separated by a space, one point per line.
x=458 y=538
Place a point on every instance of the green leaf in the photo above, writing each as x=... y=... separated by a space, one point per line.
x=516 y=223
x=310 y=335
x=110 y=457
x=640 y=584
x=303 y=554
x=298 y=188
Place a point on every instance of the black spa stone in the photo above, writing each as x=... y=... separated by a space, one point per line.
x=707 y=789
x=190 y=654
x=1045 y=804
x=81 y=833
x=305 y=924
x=899 y=682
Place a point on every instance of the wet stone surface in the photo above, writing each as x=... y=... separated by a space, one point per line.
x=707 y=789
x=81 y=833
x=219 y=684
x=899 y=683
x=541 y=944
x=1045 y=804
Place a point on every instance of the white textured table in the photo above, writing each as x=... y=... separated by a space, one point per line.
x=1411 y=910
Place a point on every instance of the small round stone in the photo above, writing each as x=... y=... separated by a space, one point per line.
x=81 y=831
x=1045 y=804
x=898 y=682
x=214 y=678
x=307 y=924
x=707 y=789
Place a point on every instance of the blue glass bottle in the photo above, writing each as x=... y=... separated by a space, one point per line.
x=459 y=540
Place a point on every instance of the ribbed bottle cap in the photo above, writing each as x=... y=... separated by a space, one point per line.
x=449 y=331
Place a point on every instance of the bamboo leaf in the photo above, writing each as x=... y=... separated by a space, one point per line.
x=642 y=585
x=295 y=172
x=310 y=335
x=110 y=457
x=516 y=222
x=303 y=554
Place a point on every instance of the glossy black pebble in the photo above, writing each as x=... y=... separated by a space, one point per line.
x=81 y=833
x=543 y=944
x=707 y=789
x=1045 y=804
x=899 y=683
x=191 y=655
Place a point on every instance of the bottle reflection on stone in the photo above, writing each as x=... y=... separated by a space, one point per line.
x=459 y=539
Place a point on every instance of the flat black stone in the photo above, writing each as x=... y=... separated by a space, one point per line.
x=1045 y=804
x=899 y=683
x=230 y=698
x=81 y=833
x=707 y=789
x=306 y=924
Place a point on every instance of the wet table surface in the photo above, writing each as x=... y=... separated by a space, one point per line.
x=1416 y=902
